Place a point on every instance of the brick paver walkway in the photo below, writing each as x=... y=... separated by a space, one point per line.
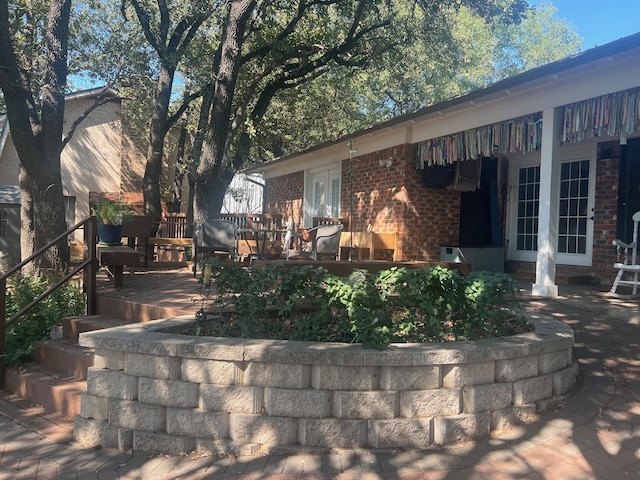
x=596 y=435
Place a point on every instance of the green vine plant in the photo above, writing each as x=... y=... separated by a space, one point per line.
x=22 y=336
x=396 y=305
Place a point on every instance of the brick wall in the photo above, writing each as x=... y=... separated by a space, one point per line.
x=283 y=195
x=386 y=199
x=606 y=213
x=394 y=199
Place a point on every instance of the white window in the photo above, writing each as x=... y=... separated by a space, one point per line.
x=322 y=193
x=573 y=214
x=69 y=210
x=528 y=202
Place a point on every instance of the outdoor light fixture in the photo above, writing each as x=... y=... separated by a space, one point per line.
x=389 y=161
x=386 y=163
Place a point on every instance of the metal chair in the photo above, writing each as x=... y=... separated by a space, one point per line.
x=629 y=264
x=324 y=240
x=215 y=236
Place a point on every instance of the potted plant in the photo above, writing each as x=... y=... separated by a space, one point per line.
x=111 y=217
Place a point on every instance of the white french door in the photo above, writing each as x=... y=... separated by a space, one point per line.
x=323 y=195
x=576 y=193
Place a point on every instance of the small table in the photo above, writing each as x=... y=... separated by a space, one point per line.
x=115 y=258
x=261 y=243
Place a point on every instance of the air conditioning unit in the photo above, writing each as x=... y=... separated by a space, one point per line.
x=452 y=255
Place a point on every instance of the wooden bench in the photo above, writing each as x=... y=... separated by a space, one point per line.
x=371 y=241
x=115 y=258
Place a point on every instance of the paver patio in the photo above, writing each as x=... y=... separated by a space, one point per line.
x=595 y=435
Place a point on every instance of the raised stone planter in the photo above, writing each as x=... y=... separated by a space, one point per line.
x=155 y=391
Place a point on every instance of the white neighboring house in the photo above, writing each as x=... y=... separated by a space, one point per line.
x=101 y=156
x=244 y=194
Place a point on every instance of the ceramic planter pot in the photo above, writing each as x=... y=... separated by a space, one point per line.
x=109 y=234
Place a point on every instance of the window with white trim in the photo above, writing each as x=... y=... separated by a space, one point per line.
x=528 y=204
x=323 y=196
x=574 y=207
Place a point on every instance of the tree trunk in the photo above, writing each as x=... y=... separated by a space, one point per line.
x=43 y=218
x=36 y=120
x=210 y=183
x=155 y=154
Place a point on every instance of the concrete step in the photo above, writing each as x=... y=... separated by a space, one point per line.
x=74 y=326
x=66 y=356
x=52 y=390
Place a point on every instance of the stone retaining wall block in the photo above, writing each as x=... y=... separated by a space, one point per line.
x=152 y=366
x=565 y=379
x=262 y=429
x=483 y=398
x=516 y=369
x=339 y=433
x=161 y=442
x=136 y=416
x=400 y=432
x=532 y=389
x=458 y=376
x=332 y=377
x=279 y=375
x=110 y=359
x=552 y=361
x=110 y=383
x=92 y=406
x=197 y=423
x=212 y=372
x=231 y=399
x=467 y=426
x=366 y=405
x=90 y=433
x=291 y=402
x=430 y=403
x=507 y=418
x=169 y=393
x=415 y=377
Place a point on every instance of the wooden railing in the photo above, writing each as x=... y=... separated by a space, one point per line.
x=254 y=221
x=88 y=266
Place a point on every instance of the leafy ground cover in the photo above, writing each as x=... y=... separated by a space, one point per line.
x=22 y=336
x=396 y=305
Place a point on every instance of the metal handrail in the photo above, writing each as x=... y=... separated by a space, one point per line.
x=89 y=268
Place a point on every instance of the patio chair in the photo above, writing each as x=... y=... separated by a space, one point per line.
x=215 y=237
x=138 y=229
x=324 y=241
x=629 y=264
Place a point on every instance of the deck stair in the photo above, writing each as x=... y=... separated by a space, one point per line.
x=49 y=388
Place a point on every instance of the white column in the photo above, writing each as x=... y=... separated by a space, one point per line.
x=545 y=285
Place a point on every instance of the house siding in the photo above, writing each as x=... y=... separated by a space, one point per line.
x=99 y=157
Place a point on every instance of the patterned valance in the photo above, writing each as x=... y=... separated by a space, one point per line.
x=615 y=114
x=519 y=135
